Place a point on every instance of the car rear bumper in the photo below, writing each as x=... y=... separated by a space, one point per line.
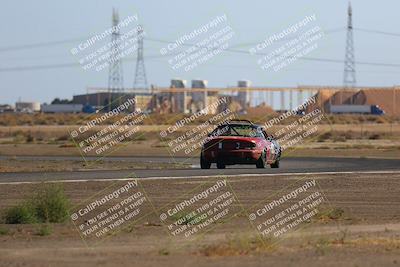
x=240 y=156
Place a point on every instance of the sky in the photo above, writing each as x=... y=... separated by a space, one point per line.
x=44 y=21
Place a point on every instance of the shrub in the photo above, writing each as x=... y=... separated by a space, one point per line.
x=19 y=137
x=339 y=138
x=49 y=205
x=335 y=213
x=324 y=136
x=4 y=231
x=21 y=214
x=164 y=252
x=331 y=214
x=30 y=138
x=182 y=218
x=375 y=136
x=44 y=230
x=63 y=138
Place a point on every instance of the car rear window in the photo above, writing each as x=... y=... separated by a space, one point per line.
x=238 y=130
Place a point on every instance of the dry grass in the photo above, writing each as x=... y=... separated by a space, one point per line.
x=244 y=244
x=17 y=119
x=17 y=165
x=60 y=133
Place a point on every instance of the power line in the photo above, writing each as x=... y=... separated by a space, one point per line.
x=302 y=58
x=65 y=41
x=377 y=32
x=40 y=67
x=65 y=65
x=238 y=51
x=329 y=31
x=68 y=65
x=41 y=44
x=72 y=40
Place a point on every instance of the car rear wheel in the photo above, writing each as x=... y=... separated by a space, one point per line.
x=261 y=162
x=220 y=165
x=275 y=164
x=204 y=164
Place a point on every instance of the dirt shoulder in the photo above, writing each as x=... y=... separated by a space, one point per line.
x=365 y=233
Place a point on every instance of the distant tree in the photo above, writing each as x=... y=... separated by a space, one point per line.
x=61 y=101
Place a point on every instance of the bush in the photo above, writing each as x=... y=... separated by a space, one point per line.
x=49 y=205
x=4 y=231
x=63 y=138
x=339 y=138
x=331 y=214
x=375 y=136
x=325 y=136
x=19 y=137
x=44 y=230
x=30 y=138
x=21 y=214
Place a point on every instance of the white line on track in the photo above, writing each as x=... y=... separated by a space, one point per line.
x=202 y=176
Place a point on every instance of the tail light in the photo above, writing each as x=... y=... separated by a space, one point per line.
x=250 y=145
x=212 y=144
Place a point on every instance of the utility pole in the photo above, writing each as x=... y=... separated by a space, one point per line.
x=115 y=74
x=140 y=72
x=349 y=77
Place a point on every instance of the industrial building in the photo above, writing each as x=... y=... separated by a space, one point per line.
x=6 y=108
x=199 y=99
x=107 y=100
x=177 y=98
x=243 y=96
x=27 y=107
x=387 y=98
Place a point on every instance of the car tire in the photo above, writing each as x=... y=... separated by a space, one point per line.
x=261 y=163
x=220 y=165
x=204 y=164
x=275 y=164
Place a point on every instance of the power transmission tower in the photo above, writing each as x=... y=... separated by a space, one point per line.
x=349 y=77
x=140 y=72
x=115 y=74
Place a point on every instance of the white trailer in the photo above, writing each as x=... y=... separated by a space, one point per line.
x=62 y=108
x=358 y=109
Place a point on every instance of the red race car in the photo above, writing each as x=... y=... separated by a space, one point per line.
x=240 y=142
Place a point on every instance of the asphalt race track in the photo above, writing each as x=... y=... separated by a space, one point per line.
x=288 y=165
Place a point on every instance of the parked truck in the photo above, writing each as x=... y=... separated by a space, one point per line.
x=357 y=109
x=62 y=108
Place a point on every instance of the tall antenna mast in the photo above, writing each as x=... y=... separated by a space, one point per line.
x=140 y=72
x=115 y=75
x=349 y=77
